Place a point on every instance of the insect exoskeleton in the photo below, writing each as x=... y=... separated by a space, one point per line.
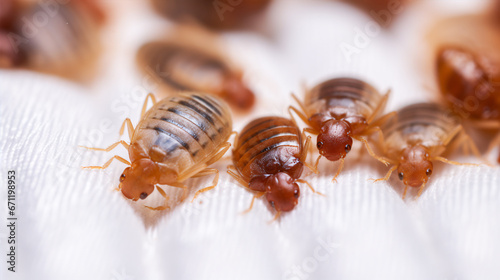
x=417 y=136
x=191 y=59
x=269 y=156
x=340 y=110
x=467 y=67
x=178 y=138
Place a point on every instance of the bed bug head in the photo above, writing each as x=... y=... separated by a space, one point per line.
x=237 y=93
x=334 y=140
x=415 y=168
x=138 y=181
x=282 y=192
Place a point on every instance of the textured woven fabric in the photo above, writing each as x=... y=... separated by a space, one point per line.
x=72 y=225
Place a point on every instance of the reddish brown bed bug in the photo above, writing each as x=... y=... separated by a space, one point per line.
x=419 y=135
x=219 y=14
x=339 y=110
x=269 y=156
x=467 y=67
x=191 y=59
x=178 y=138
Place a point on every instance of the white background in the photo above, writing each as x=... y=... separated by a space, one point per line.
x=72 y=225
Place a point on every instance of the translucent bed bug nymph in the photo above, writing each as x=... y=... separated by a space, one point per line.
x=178 y=138
x=340 y=110
x=269 y=157
x=419 y=135
x=191 y=59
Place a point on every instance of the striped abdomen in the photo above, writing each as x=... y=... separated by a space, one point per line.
x=426 y=124
x=342 y=97
x=182 y=68
x=183 y=130
x=268 y=145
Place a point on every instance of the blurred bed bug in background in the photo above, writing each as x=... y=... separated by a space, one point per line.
x=419 y=135
x=9 y=53
x=467 y=67
x=191 y=59
x=67 y=44
x=269 y=156
x=339 y=110
x=220 y=14
x=177 y=139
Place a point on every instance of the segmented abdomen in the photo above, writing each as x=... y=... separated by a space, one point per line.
x=343 y=96
x=266 y=146
x=184 y=130
x=428 y=124
x=182 y=68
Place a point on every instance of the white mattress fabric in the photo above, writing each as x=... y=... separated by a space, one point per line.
x=72 y=225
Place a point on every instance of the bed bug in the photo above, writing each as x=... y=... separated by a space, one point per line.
x=419 y=135
x=269 y=157
x=67 y=44
x=178 y=138
x=467 y=67
x=340 y=110
x=186 y=62
x=219 y=14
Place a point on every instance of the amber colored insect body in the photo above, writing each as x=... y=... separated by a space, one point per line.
x=340 y=110
x=269 y=157
x=419 y=135
x=178 y=138
x=467 y=64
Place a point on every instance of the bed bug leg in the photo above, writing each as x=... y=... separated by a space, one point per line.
x=310 y=187
x=299 y=102
x=421 y=190
x=107 y=163
x=473 y=148
x=130 y=128
x=111 y=147
x=404 y=192
x=387 y=175
x=219 y=154
x=381 y=140
x=236 y=136
x=205 y=172
x=379 y=108
x=164 y=207
x=305 y=152
x=370 y=151
x=145 y=105
x=301 y=115
x=181 y=186
x=231 y=171
x=276 y=217
x=339 y=169
x=251 y=203
x=442 y=159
